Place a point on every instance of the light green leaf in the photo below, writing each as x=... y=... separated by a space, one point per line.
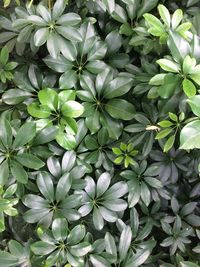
x=168 y=65
x=176 y=18
x=164 y=14
x=189 y=88
x=194 y=103
x=168 y=145
x=72 y=109
x=48 y=97
x=190 y=135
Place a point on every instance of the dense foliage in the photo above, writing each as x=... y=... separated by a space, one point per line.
x=99 y=133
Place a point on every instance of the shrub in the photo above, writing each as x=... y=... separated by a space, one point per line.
x=99 y=133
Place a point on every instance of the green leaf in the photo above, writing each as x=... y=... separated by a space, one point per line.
x=98 y=51
x=63 y=187
x=169 y=86
x=5 y=132
x=46 y=135
x=110 y=5
x=72 y=109
x=168 y=65
x=164 y=14
x=158 y=79
x=41 y=36
x=117 y=87
x=15 y=96
x=4 y=172
x=52 y=44
x=176 y=18
x=48 y=97
x=188 y=264
x=36 y=20
x=169 y=143
x=29 y=161
x=125 y=242
x=66 y=141
x=173 y=116
x=154 y=22
x=35 y=202
x=18 y=172
x=97 y=219
x=165 y=124
x=69 y=19
x=42 y=248
x=58 y=9
x=119 y=160
x=153 y=182
x=146 y=6
x=110 y=244
x=76 y=235
x=189 y=88
x=45 y=185
x=178 y=46
x=8 y=260
x=190 y=135
x=115 y=106
x=139 y=258
x=16 y=248
x=60 y=229
x=163 y=133
x=119 y=14
x=59 y=64
x=25 y=134
x=103 y=183
x=81 y=249
x=68 y=79
x=68 y=49
x=116 y=151
x=4 y=55
x=38 y=111
x=145 y=194
x=188 y=64
x=69 y=33
x=194 y=103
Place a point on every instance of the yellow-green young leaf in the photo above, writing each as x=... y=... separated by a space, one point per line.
x=184 y=27
x=116 y=151
x=168 y=145
x=182 y=116
x=123 y=146
x=163 y=133
x=134 y=153
x=129 y=147
x=173 y=116
x=168 y=65
x=164 y=14
x=156 y=32
x=176 y=18
x=189 y=88
x=6 y=3
x=165 y=123
x=127 y=161
x=153 y=21
x=118 y=160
